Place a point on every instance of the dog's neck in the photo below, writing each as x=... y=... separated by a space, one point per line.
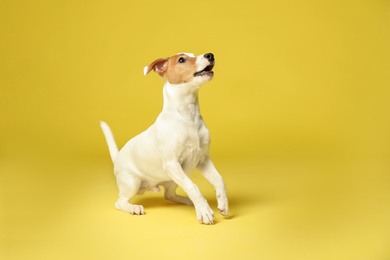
x=181 y=100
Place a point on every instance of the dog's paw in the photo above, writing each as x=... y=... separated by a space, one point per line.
x=223 y=206
x=137 y=210
x=205 y=214
x=130 y=208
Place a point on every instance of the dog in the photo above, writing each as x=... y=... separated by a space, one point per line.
x=177 y=143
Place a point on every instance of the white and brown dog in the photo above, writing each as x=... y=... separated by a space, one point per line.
x=177 y=143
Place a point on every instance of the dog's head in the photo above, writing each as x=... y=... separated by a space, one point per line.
x=184 y=68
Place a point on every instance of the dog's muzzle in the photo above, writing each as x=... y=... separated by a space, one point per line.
x=207 y=71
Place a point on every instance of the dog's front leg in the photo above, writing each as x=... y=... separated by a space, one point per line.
x=203 y=211
x=209 y=171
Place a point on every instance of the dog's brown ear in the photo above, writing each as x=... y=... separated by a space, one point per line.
x=158 y=66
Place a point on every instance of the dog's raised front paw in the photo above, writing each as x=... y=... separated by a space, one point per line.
x=223 y=206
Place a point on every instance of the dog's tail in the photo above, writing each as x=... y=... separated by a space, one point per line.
x=110 y=140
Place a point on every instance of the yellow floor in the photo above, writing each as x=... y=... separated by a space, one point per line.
x=64 y=209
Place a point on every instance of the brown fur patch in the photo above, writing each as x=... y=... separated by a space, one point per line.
x=171 y=70
x=177 y=73
x=158 y=66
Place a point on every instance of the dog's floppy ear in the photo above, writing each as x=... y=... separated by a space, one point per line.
x=158 y=66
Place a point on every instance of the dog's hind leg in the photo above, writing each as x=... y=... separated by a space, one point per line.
x=128 y=185
x=170 y=194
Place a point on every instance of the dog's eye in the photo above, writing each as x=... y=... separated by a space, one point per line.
x=181 y=60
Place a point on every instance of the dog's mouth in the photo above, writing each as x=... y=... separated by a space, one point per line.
x=205 y=72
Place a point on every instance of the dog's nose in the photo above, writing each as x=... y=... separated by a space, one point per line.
x=209 y=56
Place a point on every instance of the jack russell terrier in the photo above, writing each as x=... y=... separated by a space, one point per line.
x=177 y=143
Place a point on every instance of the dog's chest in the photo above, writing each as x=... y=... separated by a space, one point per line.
x=196 y=141
x=195 y=144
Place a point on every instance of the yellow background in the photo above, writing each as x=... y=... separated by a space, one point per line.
x=298 y=113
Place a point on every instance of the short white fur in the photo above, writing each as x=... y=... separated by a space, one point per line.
x=188 y=54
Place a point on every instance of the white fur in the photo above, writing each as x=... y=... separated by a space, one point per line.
x=188 y=54
x=110 y=140
x=201 y=62
x=167 y=152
